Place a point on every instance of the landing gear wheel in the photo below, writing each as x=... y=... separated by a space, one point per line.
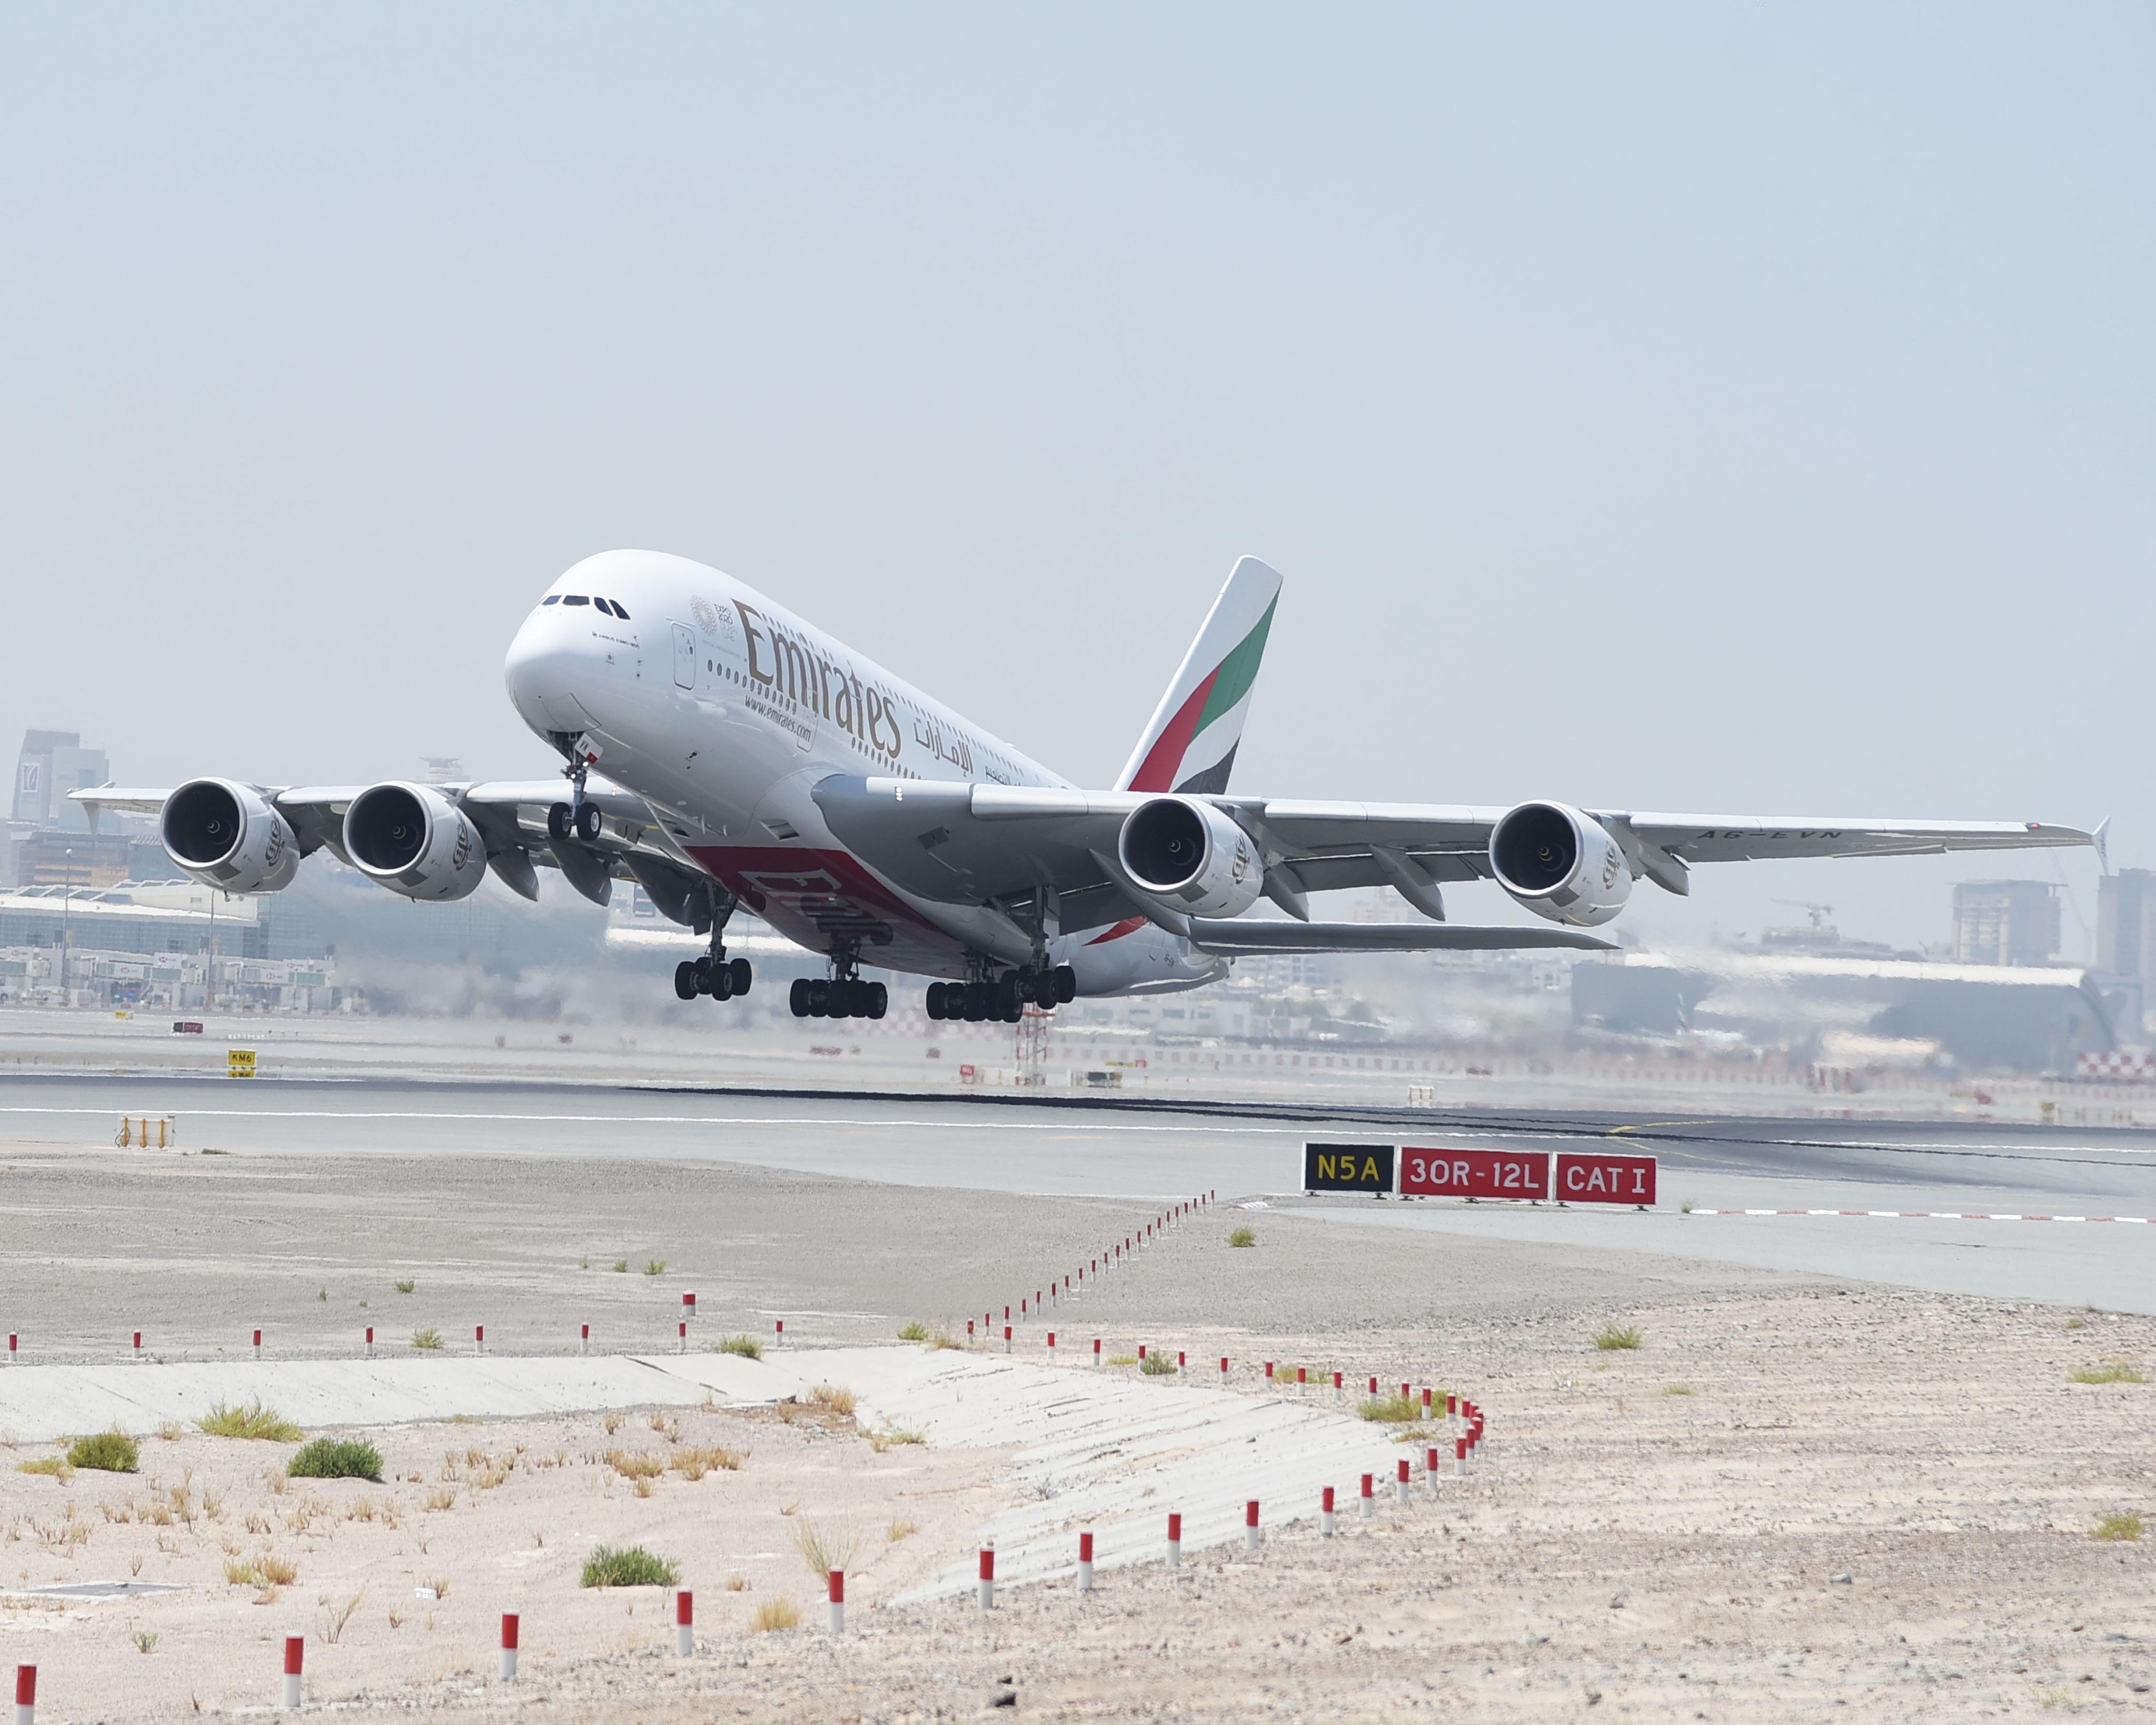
x=838 y=999
x=743 y=976
x=1045 y=994
x=558 y=822
x=587 y=822
x=819 y=1000
x=1008 y=1001
x=935 y=998
x=977 y=1003
x=685 y=979
x=879 y=1000
x=719 y=984
x=796 y=997
x=1066 y=984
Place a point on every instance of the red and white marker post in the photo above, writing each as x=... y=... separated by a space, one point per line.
x=684 y=1624
x=778 y=1334
x=688 y=1306
x=583 y=1338
x=1339 y=1385
x=1325 y=1513
x=1224 y=1371
x=1459 y=1457
x=479 y=1338
x=509 y=1627
x=1051 y=1344
x=1250 y=1534
x=1424 y=1415
x=258 y=1344
x=295 y=1648
x=1175 y=1538
x=26 y=1695
x=1369 y=1497
x=987 y=1578
x=13 y=1341
x=1096 y=1350
x=1405 y=1479
x=1007 y=1329
x=369 y=1341
x=1431 y=1464
x=681 y=1335
x=838 y=1602
x=1085 y=1562
x=1182 y=1360
x=138 y=1345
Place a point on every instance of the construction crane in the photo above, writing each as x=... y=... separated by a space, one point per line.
x=1819 y=913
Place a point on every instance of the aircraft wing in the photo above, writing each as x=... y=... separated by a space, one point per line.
x=1243 y=935
x=511 y=816
x=984 y=844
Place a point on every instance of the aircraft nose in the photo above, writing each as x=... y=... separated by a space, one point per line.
x=541 y=673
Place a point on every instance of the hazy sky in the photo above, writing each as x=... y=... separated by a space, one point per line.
x=1734 y=408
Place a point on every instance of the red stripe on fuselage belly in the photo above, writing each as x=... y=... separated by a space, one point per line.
x=821 y=898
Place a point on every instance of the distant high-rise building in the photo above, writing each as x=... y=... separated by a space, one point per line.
x=2005 y=922
x=2125 y=925
x=53 y=763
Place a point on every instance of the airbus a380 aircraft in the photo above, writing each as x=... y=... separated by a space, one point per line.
x=721 y=752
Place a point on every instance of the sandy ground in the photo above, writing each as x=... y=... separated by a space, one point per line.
x=1660 y=1532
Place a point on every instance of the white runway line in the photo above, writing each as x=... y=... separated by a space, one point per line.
x=1920 y=1215
x=1089 y=1124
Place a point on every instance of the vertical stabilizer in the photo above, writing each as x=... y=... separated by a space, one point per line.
x=1190 y=745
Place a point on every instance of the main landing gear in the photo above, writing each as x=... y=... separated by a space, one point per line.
x=843 y=997
x=721 y=979
x=1005 y=998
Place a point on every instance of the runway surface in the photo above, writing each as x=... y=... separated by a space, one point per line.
x=1127 y=1149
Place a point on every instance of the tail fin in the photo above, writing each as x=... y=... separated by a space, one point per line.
x=1190 y=745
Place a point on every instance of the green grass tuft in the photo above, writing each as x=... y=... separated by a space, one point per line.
x=336 y=1459
x=406 y=1286
x=58 y=1466
x=748 y=1347
x=2120 y=1524
x=106 y=1452
x=654 y=1267
x=621 y=1266
x=1244 y=1237
x=1156 y=1364
x=2111 y=1371
x=1676 y=1390
x=915 y=1332
x=252 y=1421
x=1390 y=1409
x=1615 y=1337
x=627 y=1566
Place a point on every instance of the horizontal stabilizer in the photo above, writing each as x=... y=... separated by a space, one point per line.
x=1250 y=935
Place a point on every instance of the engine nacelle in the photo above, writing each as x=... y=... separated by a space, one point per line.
x=1560 y=863
x=412 y=839
x=1189 y=853
x=225 y=834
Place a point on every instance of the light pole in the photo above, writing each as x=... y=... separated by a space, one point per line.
x=67 y=905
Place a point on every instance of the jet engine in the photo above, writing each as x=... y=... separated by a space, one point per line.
x=1560 y=863
x=1188 y=853
x=412 y=839
x=226 y=835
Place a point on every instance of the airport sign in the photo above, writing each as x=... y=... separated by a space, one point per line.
x=1347 y=1168
x=1474 y=1173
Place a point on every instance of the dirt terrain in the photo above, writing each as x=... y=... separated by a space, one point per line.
x=1793 y=1494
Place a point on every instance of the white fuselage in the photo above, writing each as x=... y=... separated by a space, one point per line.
x=722 y=709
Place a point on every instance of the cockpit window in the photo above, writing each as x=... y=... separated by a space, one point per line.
x=551 y=598
x=575 y=599
x=620 y=610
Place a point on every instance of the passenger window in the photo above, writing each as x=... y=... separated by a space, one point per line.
x=576 y=598
x=551 y=598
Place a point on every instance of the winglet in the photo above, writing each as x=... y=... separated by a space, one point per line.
x=1190 y=744
x=2101 y=838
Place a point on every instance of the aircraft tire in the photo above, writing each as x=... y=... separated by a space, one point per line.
x=796 y=997
x=1066 y=984
x=685 y=979
x=557 y=821
x=934 y=1002
x=1045 y=994
x=587 y=822
x=879 y=1000
x=720 y=986
x=743 y=976
x=977 y=1005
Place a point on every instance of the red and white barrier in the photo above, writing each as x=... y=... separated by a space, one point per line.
x=1402 y=1481
x=1302 y=1379
x=1142 y=1353
x=294 y=1650
x=1224 y=1371
x=138 y=1345
x=1250 y=1534
x=479 y=1338
x=1369 y=1495
x=681 y=1335
x=1085 y=1562
x=779 y=1333
x=1339 y=1383
x=1325 y=1513
x=987 y=1578
x=1268 y=1375
x=688 y=1306
x=583 y=1338
x=1175 y=1538
x=1424 y=1415
x=1459 y=1457
x=258 y=1344
x=369 y=1341
x=12 y=1343
x=838 y=1602
x=1182 y=1359
x=26 y=1692
x=1051 y=1344
x=1007 y=1330
x=509 y=1628
x=1096 y=1350
x=684 y=1624
x=1429 y=1467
